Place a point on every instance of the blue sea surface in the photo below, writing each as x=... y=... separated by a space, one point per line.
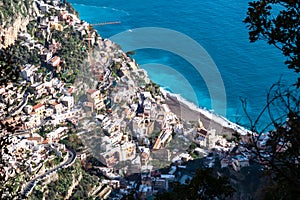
x=247 y=69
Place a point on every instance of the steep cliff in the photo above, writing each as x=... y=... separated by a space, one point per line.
x=14 y=17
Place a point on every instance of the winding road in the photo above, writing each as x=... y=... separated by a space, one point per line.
x=30 y=185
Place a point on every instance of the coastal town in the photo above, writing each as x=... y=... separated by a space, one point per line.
x=112 y=113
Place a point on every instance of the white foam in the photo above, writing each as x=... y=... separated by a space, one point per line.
x=210 y=115
x=102 y=7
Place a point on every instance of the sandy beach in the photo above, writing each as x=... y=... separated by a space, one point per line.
x=190 y=112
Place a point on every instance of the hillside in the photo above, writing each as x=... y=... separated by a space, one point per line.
x=14 y=17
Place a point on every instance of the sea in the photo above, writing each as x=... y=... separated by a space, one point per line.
x=247 y=69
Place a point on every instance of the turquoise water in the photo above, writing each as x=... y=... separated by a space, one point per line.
x=247 y=69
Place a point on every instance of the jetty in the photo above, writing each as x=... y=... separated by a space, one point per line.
x=106 y=23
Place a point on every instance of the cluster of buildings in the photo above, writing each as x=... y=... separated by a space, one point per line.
x=39 y=108
x=35 y=151
x=127 y=111
x=136 y=123
x=38 y=99
x=129 y=115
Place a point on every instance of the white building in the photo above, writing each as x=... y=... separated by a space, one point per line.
x=117 y=153
x=68 y=101
x=28 y=72
x=58 y=133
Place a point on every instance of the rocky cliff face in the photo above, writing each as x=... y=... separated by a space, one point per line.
x=14 y=17
x=9 y=35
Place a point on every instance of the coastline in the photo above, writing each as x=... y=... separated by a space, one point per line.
x=188 y=111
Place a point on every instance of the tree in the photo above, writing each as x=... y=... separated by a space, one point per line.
x=278 y=23
x=9 y=69
x=205 y=185
x=280 y=155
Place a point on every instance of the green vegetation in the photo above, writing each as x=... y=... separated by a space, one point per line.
x=153 y=88
x=191 y=151
x=12 y=58
x=70 y=8
x=12 y=186
x=73 y=142
x=115 y=69
x=58 y=189
x=37 y=194
x=192 y=147
x=85 y=186
x=9 y=9
x=71 y=53
x=54 y=162
x=44 y=130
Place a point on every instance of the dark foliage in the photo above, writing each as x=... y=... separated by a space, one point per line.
x=72 y=53
x=9 y=70
x=205 y=185
x=277 y=22
x=281 y=154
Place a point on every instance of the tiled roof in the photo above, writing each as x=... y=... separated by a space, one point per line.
x=37 y=106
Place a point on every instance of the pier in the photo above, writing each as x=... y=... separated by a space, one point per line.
x=106 y=23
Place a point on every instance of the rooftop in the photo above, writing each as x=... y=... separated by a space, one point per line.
x=37 y=106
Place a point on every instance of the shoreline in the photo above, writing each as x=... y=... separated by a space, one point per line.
x=188 y=111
